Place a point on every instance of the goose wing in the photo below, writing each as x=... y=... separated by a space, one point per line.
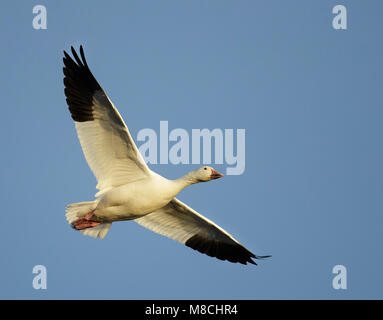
x=181 y=223
x=105 y=139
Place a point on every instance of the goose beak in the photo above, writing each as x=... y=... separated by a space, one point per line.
x=215 y=175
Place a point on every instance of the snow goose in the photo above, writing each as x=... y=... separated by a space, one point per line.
x=128 y=189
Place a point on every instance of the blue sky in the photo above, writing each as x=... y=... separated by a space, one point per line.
x=308 y=96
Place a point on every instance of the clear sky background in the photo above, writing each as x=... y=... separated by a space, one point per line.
x=309 y=97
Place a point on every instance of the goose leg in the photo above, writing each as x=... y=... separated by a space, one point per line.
x=85 y=222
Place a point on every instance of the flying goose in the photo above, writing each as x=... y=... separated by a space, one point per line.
x=128 y=189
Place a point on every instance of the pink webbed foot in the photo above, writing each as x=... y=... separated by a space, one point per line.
x=85 y=222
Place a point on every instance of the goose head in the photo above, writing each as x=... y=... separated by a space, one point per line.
x=206 y=173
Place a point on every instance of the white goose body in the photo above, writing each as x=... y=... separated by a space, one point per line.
x=136 y=199
x=128 y=189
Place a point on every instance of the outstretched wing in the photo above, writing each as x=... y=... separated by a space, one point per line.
x=105 y=139
x=181 y=223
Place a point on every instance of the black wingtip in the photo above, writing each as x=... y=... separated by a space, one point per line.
x=252 y=262
x=262 y=257
x=66 y=55
x=80 y=86
x=256 y=257
x=232 y=252
x=76 y=57
x=83 y=56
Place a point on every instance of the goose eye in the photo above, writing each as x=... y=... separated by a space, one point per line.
x=205 y=168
